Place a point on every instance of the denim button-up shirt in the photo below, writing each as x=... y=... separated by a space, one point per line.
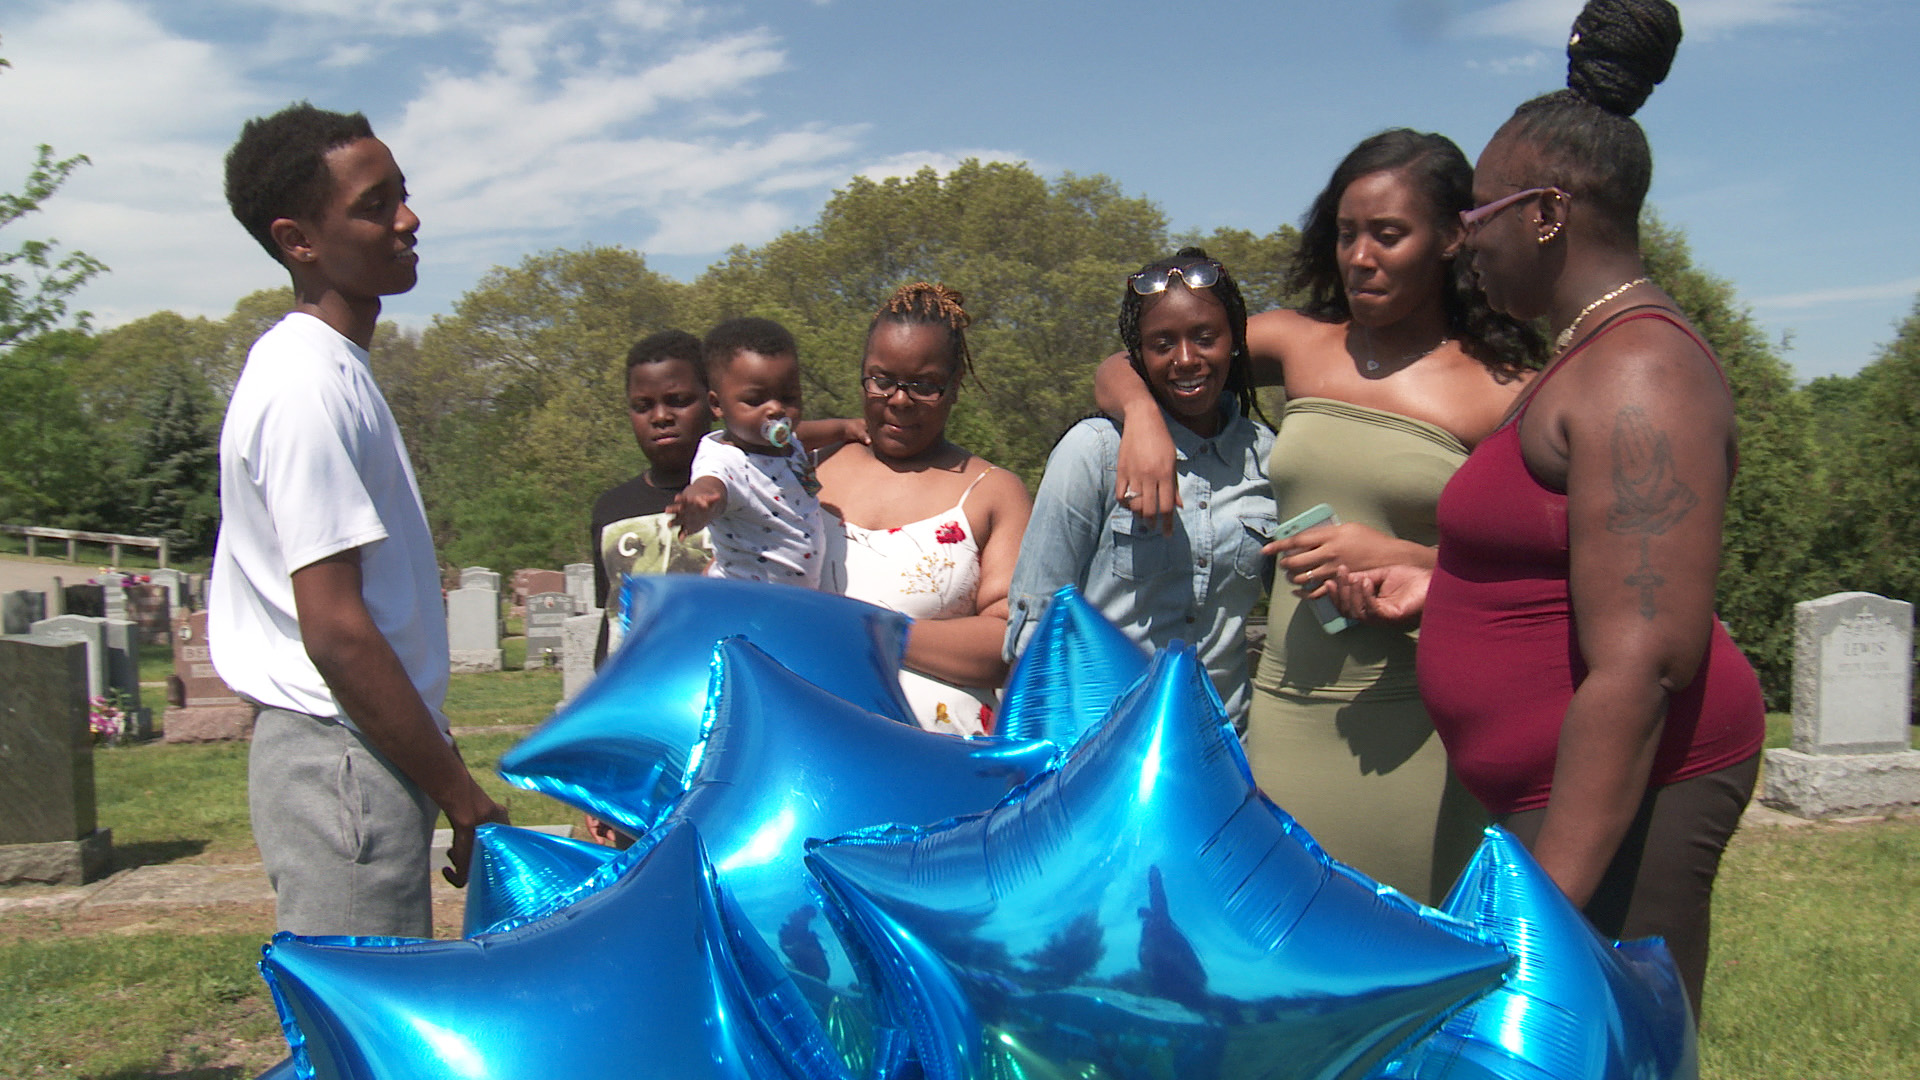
x=1196 y=585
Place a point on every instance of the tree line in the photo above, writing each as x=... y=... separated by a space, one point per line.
x=513 y=404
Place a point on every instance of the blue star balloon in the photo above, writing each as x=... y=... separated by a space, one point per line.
x=655 y=975
x=517 y=873
x=283 y=1071
x=786 y=762
x=1076 y=665
x=621 y=749
x=1143 y=911
x=1574 y=1006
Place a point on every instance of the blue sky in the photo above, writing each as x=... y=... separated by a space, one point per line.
x=1782 y=140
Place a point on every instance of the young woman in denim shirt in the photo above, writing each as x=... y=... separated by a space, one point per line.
x=1184 y=325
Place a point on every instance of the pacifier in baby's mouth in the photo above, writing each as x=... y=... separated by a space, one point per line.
x=777 y=431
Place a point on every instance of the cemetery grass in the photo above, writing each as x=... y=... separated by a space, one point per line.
x=1812 y=968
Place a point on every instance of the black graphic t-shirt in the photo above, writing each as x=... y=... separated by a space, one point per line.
x=630 y=534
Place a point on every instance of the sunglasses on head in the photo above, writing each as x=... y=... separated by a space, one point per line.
x=1474 y=218
x=1199 y=274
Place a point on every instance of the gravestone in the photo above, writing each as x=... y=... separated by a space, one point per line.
x=518 y=585
x=49 y=834
x=576 y=657
x=540 y=581
x=20 y=609
x=123 y=677
x=149 y=608
x=89 y=599
x=113 y=600
x=89 y=629
x=175 y=582
x=197 y=585
x=473 y=629
x=201 y=707
x=1852 y=686
x=547 y=614
x=580 y=586
x=479 y=577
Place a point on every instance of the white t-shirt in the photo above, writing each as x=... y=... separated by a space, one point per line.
x=312 y=464
x=770 y=530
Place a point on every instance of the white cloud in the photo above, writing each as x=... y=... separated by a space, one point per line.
x=1507 y=65
x=1850 y=294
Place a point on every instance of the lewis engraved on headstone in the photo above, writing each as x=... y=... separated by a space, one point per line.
x=83 y=628
x=547 y=614
x=202 y=707
x=580 y=586
x=20 y=609
x=48 y=828
x=1852 y=686
x=473 y=629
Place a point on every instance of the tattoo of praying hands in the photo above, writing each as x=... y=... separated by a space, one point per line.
x=1647 y=498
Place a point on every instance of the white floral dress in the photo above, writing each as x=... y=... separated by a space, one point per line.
x=926 y=569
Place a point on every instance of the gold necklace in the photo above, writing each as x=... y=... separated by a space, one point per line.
x=1566 y=336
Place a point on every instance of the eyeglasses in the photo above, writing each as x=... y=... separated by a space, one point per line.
x=1471 y=220
x=883 y=386
x=1196 y=275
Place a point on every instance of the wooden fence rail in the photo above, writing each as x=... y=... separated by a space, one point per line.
x=74 y=536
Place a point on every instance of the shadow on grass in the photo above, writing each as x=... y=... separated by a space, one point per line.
x=208 y=1073
x=154 y=852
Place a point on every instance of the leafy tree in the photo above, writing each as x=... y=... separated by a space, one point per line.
x=1772 y=511
x=513 y=407
x=49 y=463
x=35 y=279
x=176 y=478
x=1873 y=462
x=1041 y=265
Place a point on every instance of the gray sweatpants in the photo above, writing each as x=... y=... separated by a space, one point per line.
x=344 y=836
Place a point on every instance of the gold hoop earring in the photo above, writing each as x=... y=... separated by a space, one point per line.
x=1547 y=237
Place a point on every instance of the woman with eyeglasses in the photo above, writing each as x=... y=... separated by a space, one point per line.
x=1184 y=326
x=1393 y=369
x=1569 y=651
x=919 y=525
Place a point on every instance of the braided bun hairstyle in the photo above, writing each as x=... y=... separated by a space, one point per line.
x=1585 y=135
x=926 y=303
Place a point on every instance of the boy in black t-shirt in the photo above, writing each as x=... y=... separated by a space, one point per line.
x=668 y=405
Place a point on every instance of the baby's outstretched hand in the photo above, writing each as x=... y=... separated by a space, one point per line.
x=698 y=505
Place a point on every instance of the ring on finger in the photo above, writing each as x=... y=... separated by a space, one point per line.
x=1129 y=495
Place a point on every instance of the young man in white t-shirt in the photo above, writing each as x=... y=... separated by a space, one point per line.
x=325 y=606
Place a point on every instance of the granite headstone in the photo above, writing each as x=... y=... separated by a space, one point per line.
x=48 y=829
x=20 y=609
x=473 y=629
x=1852 y=686
x=547 y=614
x=201 y=707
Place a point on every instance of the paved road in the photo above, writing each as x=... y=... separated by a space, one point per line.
x=17 y=572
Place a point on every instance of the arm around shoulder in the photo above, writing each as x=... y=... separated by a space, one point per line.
x=1069 y=514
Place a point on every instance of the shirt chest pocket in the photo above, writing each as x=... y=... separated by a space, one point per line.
x=1140 y=551
x=1256 y=531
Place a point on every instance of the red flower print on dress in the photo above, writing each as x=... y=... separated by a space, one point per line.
x=949 y=532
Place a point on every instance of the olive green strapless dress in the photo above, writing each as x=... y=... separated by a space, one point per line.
x=1337 y=734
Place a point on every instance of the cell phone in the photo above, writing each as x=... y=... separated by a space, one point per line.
x=1330 y=618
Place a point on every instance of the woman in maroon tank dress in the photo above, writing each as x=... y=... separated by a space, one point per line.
x=1569 y=652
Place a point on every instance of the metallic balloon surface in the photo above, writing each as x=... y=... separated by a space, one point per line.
x=516 y=874
x=1143 y=911
x=655 y=975
x=786 y=762
x=621 y=749
x=1574 y=1006
x=1076 y=665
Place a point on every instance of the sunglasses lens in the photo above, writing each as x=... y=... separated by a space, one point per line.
x=1148 y=282
x=1200 y=275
